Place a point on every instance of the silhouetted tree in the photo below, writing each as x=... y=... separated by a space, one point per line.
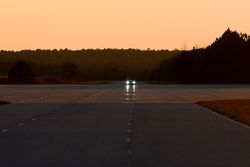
x=225 y=60
x=21 y=72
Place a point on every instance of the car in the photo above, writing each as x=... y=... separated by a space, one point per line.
x=130 y=82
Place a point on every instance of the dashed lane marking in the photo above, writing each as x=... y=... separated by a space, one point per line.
x=21 y=124
x=129 y=152
x=128 y=140
x=4 y=130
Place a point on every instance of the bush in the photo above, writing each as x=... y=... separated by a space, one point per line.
x=21 y=72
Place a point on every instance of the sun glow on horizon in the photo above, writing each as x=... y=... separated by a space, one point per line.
x=142 y=24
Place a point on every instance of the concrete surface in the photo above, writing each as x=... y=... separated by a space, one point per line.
x=114 y=125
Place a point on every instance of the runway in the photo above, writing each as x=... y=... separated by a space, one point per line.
x=116 y=125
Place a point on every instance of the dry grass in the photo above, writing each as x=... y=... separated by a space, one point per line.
x=238 y=110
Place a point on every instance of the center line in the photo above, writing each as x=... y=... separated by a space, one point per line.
x=4 y=130
x=21 y=124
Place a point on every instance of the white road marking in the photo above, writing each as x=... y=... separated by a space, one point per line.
x=128 y=140
x=4 y=130
x=21 y=124
x=129 y=152
x=33 y=119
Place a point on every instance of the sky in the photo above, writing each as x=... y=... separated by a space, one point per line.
x=142 y=24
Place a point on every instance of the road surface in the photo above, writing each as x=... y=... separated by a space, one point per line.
x=115 y=125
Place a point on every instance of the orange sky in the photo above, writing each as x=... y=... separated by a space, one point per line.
x=155 y=24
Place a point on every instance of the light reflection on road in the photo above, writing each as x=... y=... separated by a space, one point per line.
x=130 y=89
x=121 y=93
x=130 y=92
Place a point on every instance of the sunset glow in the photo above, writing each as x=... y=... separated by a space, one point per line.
x=155 y=24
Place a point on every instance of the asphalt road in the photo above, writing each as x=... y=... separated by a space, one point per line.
x=114 y=125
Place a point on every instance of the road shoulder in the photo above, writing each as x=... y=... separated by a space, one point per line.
x=237 y=110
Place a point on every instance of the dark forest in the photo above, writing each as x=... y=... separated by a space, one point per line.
x=227 y=60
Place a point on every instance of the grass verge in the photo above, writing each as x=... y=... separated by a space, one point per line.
x=238 y=110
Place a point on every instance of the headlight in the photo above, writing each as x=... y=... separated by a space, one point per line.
x=134 y=82
x=127 y=82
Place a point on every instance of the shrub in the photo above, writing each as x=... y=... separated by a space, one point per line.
x=21 y=72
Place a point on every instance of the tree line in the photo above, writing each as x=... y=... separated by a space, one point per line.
x=226 y=60
x=86 y=64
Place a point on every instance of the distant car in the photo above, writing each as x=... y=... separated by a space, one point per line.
x=130 y=82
